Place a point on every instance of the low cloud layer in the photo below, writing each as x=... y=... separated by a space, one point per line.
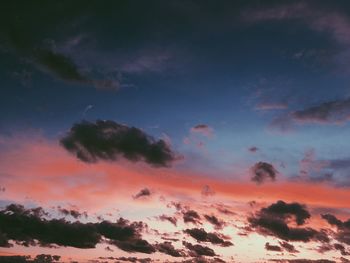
x=275 y=220
x=29 y=228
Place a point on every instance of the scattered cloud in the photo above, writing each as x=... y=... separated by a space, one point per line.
x=262 y=172
x=171 y=219
x=71 y=212
x=272 y=247
x=167 y=248
x=191 y=216
x=42 y=258
x=343 y=228
x=145 y=192
x=198 y=250
x=218 y=224
x=202 y=236
x=274 y=220
x=203 y=129
x=29 y=228
x=253 y=149
x=108 y=140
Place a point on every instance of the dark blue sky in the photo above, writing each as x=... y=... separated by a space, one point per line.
x=242 y=68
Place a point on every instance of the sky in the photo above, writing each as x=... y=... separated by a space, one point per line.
x=175 y=131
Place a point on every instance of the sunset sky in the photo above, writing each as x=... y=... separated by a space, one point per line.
x=175 y=131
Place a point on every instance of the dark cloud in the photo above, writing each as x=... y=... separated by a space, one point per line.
x=204 y=260
x=198 y=250
x=171 y=219
x=177 y=205
x=337 y=111
x=343 y=228
x=262 y=172
x=19 y=225
x=331 y=112
x=143 y=193
x=59 y=65
x=200 y=126
x=39 y=44
x=26 y=227
x=42 y=258
x=134 y=245
x=71 y=212
x=125 y=235
x=342 y=249
x=253 y=149
x=191 y=216
x=218 y=224
x=288 y=247
x=283 y=210
x=128 y=259
x=108 y=140
x=332 y=220
x=203 y=129
x=202 y=236
x=304 y=261
x=273 y=220
x=168 y=248
x=272 y=247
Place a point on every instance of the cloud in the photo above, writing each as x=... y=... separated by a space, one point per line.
x=343 y=228
x=342 y=249
x=128 y=259
x=288 y=247
x=59 y=65
x=272 y=247
x=143 y=193
x=218 y=224
x=337 y=111
x=191 y=216
x=271 y=106
x=171 y=219
x=334 y=23
x=203 y=129
x=71 y=212
x=168 y=248
x=204 y=260
x=108 y=140
x=224 y=210
x=42 y=258
x=304 y=261
x=262 y=172
x=26 y=227
x=283 y=210
x=198 y=250
x=274 y=219
x=253 y=149
x=134 y=245
x=27 y=37
x=330 y=112
x=202 y=236
x=283 y=246
x=326 y=20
